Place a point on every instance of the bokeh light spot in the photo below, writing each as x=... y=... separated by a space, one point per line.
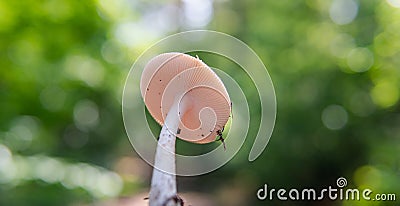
x=26 y=51
x=385 y=94
x=361 y=104
x=7 y=168
x=52 y=98
x=133 y=34
x=7 y=17
x=368 y=175
x=341 y=45
x=5 y=156
x=343 y=11
x=75 y=138
x=111 y=52
x=394 y=3
x=197 y=13
x=360 y=59
x=23 y=130
x=85 y=69
x=86 y=114
x=49 y=170
x=57 y=10
x=334 y=117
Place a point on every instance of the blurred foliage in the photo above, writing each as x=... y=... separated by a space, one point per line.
x=335 y=66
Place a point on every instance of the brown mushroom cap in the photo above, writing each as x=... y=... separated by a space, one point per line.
x=171 y=76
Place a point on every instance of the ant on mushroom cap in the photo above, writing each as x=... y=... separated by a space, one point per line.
x=219 y=132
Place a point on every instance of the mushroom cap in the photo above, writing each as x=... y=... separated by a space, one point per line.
x=204 y=103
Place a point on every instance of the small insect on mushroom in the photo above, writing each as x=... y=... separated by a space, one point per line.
x=220 y=138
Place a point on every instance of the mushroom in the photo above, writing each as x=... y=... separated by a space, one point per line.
x=190 y=102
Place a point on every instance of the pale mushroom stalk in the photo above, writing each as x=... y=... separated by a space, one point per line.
x=163 y=183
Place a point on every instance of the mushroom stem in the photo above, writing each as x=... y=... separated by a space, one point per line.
x=163 y=190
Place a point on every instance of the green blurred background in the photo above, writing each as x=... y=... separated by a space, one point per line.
x=335 y=65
